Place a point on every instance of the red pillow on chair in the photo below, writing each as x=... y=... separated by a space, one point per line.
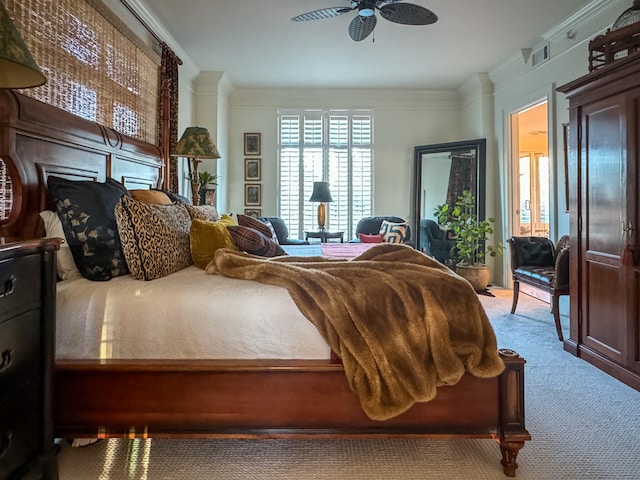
x=376 y=238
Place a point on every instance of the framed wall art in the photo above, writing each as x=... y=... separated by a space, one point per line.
x=252 y=169
x=253 y=212
x=252 y=144
x=253 y=194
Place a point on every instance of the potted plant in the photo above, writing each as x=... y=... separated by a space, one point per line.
x=471 y=239
x=207 y=182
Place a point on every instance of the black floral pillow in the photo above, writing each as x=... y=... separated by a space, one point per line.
x=86 y=210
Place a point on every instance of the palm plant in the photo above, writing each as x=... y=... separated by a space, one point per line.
x=207 y=179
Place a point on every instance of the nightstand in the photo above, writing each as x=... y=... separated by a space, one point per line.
x=323 y=235
x=27 y=351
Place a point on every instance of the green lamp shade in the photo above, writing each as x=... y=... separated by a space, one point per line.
x=195 y=143
x=18 y=69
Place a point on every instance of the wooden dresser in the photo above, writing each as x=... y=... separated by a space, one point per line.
x=27 y=349
x=604 y=172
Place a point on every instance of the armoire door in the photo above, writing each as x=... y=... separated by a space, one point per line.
x=605 y=213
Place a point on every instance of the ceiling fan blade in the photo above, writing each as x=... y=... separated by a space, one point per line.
x=408 y=14
x=321 y=14
x=361 y=27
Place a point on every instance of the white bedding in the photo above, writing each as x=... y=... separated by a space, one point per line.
x=186 y=315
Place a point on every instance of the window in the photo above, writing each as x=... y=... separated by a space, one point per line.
x=334 y=146
x=95 y=66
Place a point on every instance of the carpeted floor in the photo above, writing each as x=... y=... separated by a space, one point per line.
x=584 y=424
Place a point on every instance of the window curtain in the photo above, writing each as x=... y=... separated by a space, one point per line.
x=169 y=114
x=460 y=178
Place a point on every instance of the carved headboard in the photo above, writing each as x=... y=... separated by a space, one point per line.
x=38 y=140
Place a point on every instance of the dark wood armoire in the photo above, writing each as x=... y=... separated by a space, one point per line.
x=604 y=156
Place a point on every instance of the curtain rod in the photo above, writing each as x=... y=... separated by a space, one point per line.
x=147 y=27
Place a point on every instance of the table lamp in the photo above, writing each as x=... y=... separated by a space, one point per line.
x=18 y=69
x=195 y=144
x=321 y=194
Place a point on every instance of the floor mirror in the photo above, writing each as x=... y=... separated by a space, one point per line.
x=441 y=173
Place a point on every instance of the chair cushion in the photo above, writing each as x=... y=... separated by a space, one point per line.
x=532 y=251
x=282 y=232
x=535 y=275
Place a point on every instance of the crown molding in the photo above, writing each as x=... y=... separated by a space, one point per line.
x=189 y=67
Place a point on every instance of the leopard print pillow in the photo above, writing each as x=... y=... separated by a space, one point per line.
x=155 y=238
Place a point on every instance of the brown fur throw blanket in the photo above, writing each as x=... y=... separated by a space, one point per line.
x=402 y=322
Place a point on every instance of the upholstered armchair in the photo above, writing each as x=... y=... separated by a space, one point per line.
x=282 y=232
x=371 y=226
x=434 y=241
x=537 y=262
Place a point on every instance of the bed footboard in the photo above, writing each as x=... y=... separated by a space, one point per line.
x=273 y=399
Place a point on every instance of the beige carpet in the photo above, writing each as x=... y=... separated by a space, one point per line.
x=584 y=424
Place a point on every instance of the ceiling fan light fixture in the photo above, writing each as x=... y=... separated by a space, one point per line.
x=366 y=12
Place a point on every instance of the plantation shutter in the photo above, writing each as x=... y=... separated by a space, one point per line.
x=333 y=146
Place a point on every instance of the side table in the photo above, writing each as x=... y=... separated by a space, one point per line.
x=324 y=235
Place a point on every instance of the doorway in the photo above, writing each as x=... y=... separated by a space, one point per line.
x=530 y=167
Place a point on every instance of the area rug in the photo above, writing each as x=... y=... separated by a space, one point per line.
x=584 y=423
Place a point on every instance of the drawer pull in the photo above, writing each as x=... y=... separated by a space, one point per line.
x=5 y=443
x=9 y=286
x=6 y=360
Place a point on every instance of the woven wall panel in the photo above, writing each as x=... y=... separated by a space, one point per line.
x=94 y=67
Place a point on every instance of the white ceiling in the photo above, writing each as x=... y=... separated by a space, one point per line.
x=257 y=45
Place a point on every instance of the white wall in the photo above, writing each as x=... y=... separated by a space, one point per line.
x=518 y=84
x=402 y=120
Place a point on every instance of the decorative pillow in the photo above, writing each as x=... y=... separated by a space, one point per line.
x=174 y=197
x=264 y=228
x=203 y=212
x=364 y=238
x=206 y=237
x=252 y=241
x=85 y=209
x=393 y=232
x=67 y=269
x=155 y=238
x=152 y=197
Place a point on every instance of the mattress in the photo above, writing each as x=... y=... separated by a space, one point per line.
x=186 y=315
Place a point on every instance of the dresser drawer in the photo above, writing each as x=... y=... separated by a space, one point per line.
x=18 y=430
x=19 y=351
x=20 y=284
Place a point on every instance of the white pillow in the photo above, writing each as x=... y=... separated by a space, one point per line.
x=67 y=269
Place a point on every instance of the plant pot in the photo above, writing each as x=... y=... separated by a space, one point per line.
x=476 y=275
x=207 y=196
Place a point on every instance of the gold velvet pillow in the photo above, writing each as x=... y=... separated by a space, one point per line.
x=151 y=197
x=206 y=237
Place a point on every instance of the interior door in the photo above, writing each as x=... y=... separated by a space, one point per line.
x=604 y=214
x=530 y=166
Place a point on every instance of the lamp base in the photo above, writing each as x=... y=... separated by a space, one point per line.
x=321 y=217
x=195 y=193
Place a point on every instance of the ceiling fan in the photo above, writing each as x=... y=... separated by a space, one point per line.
x=364 y=23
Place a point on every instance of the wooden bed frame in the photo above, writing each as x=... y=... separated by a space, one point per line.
x=194 y=398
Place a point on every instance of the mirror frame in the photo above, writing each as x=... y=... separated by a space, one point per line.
x=480 y=147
